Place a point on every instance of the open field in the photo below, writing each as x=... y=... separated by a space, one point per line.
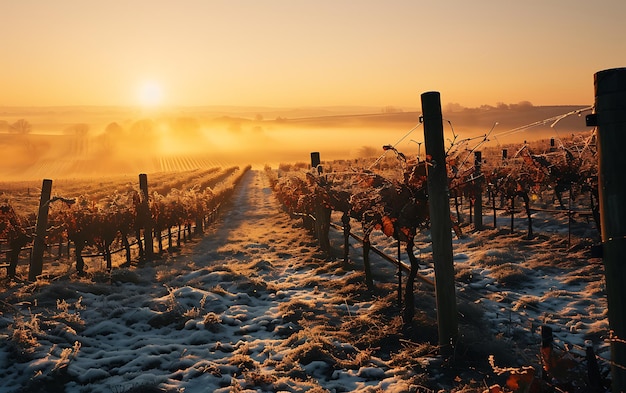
x=91 y=141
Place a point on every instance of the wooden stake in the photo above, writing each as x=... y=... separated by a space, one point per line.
x=39 y=244
x=610 y=107
x=147 y=217
x=315 y=161
x=440 y=223
x=478 y=191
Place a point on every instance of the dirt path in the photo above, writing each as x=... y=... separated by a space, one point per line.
x=249 y=225
x=254 y=229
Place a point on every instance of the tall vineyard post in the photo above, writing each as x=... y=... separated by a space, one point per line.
x=322 y=212
x=146 y=217
x=440 y=222
x=39 y=244
x=478 y=191
x=610 y=118
x=316 y=161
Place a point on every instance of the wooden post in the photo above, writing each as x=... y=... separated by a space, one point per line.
x=440 y=222
x=399 y=271
x=493 y=206
x=315 y=161
x=322 y=213
x=39 y=244
x=610 y=107
x=513 y=214
x=345 y=220
x=147 y=217
x=478 y=191
x=547 y=353
x=593 y=371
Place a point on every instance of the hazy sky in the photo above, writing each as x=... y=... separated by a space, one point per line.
x=302 y=53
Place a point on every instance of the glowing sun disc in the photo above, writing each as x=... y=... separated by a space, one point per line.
x=150 y=94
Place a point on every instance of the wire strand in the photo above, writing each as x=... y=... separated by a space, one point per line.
x=553 y=120
x=394 y=145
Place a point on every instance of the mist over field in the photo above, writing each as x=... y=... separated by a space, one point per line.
x=62 y=142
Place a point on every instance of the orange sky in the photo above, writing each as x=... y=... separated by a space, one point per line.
x=306 y=53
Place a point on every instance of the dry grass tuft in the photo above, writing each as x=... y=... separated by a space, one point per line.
x=24 y=336
x=212 y=322
x=510 y=275
x=296 y=310
x=243 y=362
x=125 y=276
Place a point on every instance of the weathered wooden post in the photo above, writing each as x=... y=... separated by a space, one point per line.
x=610 y=118
x=316 y=162
x=471 y=208
x=513 y=213
x=440 y=222
x=492 y=193
x=399 y=271
x=546 y=351
x=593 y=371
x=345 y=221
x=146 y=216
x=39 y=244
x=322 y=212
x=478 y=191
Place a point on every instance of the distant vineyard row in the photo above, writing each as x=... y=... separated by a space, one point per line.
x=99 y=215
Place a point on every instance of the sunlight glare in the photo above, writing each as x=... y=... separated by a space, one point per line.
x=150 y=94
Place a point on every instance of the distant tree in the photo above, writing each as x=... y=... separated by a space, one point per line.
x=367 y=152
x=258 y=117
x=454 y=107
x=143 y=133
x=114 y=130
x=525 y=105
x=79 y=133
x=21 y=127
x=112 y=136
x=143 y=128
x=502 y=105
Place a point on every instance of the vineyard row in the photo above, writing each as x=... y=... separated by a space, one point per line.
x=398 y=204
x=101 y=224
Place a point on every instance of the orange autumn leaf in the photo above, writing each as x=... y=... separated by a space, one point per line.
x=521 y=380
x=387 y=225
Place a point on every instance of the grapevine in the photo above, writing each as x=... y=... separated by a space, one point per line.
x=101 y=219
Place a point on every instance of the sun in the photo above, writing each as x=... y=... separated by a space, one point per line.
x=150 y=94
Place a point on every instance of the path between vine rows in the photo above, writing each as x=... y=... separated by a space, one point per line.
x=252 y=306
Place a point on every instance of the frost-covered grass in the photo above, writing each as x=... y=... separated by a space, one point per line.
x=255 y=307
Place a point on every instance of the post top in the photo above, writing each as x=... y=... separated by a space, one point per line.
x=612 y=70
x=610 y=81
x=431 y=93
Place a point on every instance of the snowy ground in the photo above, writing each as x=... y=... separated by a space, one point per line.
x=255 y=307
